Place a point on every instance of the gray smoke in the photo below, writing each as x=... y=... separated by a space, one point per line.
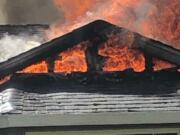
x=28 y=12
x=3 y=13
x=12 y=45
x=24 y=12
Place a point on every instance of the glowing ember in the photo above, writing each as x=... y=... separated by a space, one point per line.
x=72 y=60
x=36 y=68
x=160 y=64
x=5 y=79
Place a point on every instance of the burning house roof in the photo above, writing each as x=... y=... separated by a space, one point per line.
x=121 y=49
x=103 y=82
x=100 y=77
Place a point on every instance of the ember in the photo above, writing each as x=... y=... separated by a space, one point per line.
x=5 y=79
x=160 y=64
x=36 y=68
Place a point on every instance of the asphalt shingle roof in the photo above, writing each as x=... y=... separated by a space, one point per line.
x=14 y=101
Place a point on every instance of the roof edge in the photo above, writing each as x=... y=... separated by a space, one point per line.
x=130 y=118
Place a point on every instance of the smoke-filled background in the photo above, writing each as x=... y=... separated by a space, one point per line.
x=28 y=12
x=3 y=13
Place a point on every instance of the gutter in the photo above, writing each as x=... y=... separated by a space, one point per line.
x=98 y=119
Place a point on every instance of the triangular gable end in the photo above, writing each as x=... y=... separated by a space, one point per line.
x=90 y=31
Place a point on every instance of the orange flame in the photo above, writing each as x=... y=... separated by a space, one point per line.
x=36 y=68
x=152 y=18
x=160 y=64
x=120 y=59
x=5 y=79
x=77 y=7
x=120 y=55
x=157 y=19
x=72 y=60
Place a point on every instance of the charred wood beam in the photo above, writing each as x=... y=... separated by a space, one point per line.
x=148 y=63
x=51 y=63
x=148 y=82
x=89 y=31
x=157 y=49
x=93 y=59
x=82 y=78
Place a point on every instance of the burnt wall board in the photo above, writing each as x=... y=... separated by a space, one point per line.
x=163 y=82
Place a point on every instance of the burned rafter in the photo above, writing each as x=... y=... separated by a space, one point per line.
x=157 y=49
x=105 y=82
x=51 y=63
x=94 y=60
x=88 y=32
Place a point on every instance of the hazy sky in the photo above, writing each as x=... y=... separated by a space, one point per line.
x=3 y=15
x=28 y=12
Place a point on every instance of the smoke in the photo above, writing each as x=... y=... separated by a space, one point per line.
x=30 y=11
x=12 y=45
x=3 y=15
x=158 y=19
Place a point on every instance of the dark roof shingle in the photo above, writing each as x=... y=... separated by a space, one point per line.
x=13 y=101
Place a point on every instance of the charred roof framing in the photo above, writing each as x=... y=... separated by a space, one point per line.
x=88 y=32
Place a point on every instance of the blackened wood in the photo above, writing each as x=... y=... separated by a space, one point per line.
x=51 y=63
x=93 y=60
x=148 y=63
x=53 y=47
x=158 y=49
x=116 y=82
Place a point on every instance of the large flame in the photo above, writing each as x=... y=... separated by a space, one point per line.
x=157 y=19
x=120 y=55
